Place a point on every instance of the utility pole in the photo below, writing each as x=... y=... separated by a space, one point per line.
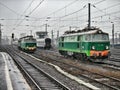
x=52 y=38
x=119 y=38
x=31 y=32
x=46 y=27
x=70 y=27
x=116 y=37
x=57 y=34
x=52 y=34
x=0 y=34
x=113 y=34
x=89 y=16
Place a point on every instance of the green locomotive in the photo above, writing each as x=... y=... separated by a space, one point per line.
x=27 y=43
x=85 y=44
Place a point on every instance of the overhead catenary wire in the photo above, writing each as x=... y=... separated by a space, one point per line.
x=59 y=9
x=10 y=9
x=105 y=9
x=98 y=10
x=36 y=7
x=72 y=13
x=71 y=3
x=99 y=2
x=25 y=11
x=110 y=13
x=62 y=8
x=31 y=11
x=68 y=6
x=105 y=14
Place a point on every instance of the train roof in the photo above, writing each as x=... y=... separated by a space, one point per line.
x=84 y=32
x=27 y=36
x=41 y=32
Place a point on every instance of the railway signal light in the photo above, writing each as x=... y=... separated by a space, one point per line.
x=12 y=35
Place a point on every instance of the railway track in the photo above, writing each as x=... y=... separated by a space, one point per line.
x=38 y=77
x=99 y=78
x=105 y=81
x=113 y=63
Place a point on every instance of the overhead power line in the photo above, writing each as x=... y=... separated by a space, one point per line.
x=99 y=2
x=63 y=7
x=24 y=12
x=58 y=10
x=73 y=12
x=105 y=9
x=32 y=11
x=99 y=10
x=108 y=14
x=10 y=9
x=36 y=7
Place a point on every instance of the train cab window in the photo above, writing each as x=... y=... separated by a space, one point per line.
x=100 y=37
x=62 y=38
x=87 y=37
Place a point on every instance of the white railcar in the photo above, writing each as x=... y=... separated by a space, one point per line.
x=40 y=38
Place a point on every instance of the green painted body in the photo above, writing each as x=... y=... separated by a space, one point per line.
x=27 y=43
x=24 y=45
x=79 y=44
x=83 y=47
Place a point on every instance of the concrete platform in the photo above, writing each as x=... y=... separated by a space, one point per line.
x=10 y=76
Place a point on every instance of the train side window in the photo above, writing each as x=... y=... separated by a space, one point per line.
x=62 y=44
x=59 y=45
x=78 y=38
x=77 y=45
x=62 y=38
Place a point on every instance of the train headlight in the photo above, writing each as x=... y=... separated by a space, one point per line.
x=93 y=47
x=107 y=47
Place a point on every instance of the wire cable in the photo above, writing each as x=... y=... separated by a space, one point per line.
x=36 y=7
x=10 y=9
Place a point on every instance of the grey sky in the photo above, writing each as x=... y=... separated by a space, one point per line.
x=57 y=14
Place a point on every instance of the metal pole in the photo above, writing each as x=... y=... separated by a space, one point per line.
x=70 y=28
x=31 y=32
x=113 y=34
x=89 y=16
x=57 y=34
x=116 y=37
x=52 y=34
x=0 y=34
x=52 y=38
x=46 y=28
x=119 y=38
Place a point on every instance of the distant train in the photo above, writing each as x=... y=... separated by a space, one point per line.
x=43 y=41
x=27 y=43
x=89 y=44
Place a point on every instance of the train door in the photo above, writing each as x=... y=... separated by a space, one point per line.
x=80 y=43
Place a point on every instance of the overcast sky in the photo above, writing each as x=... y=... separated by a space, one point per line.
x=24 y=16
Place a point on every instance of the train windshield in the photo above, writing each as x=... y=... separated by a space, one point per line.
x=100 y=37
x=96 y=37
